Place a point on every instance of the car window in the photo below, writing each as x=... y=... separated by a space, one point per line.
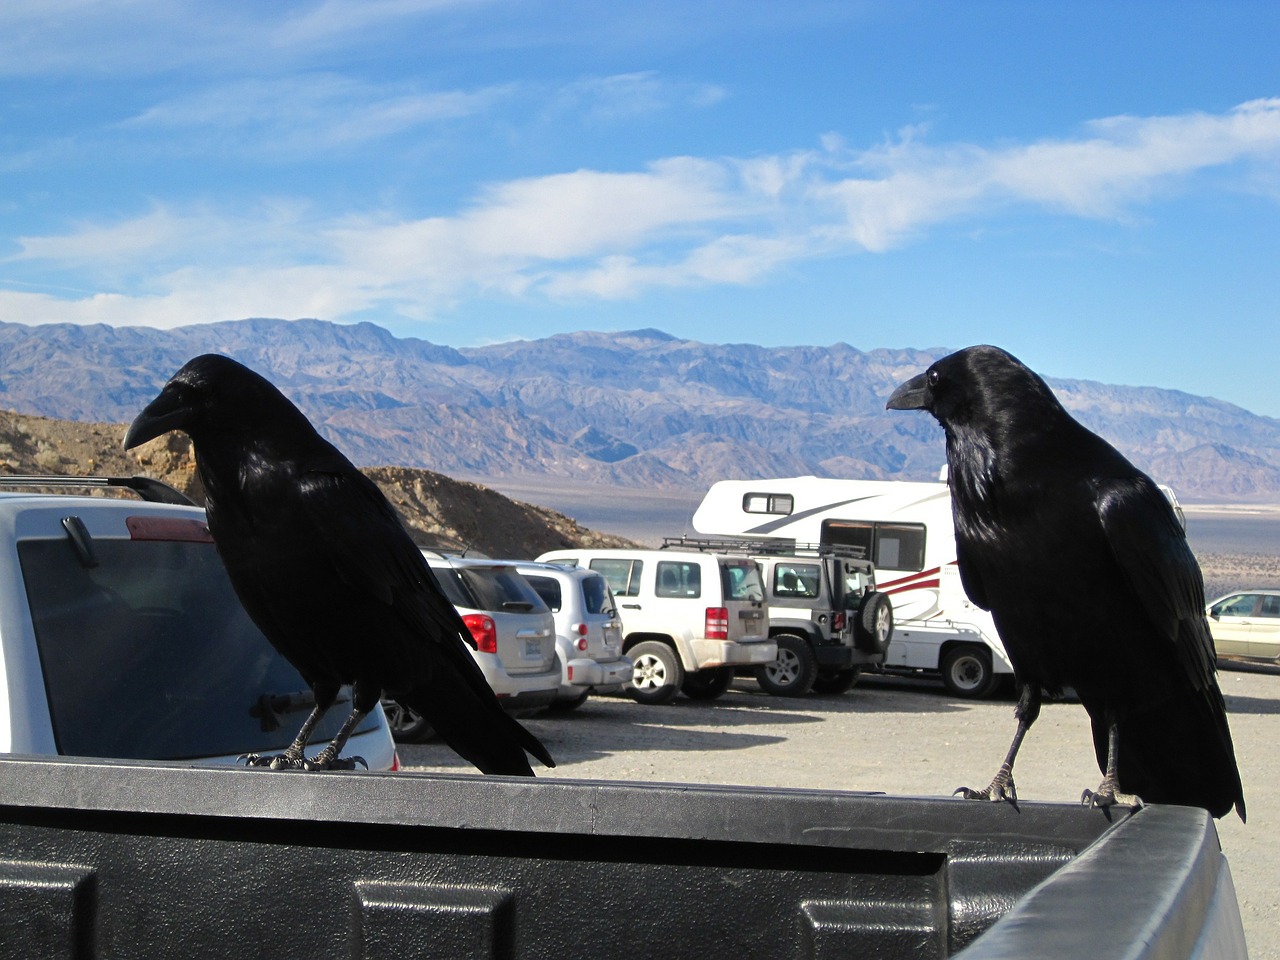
x=454 y=589
x=596 y=595
x=548 y=589
x=623 y=575
x=741 y=580
x=148 y=655
x=1270 y=607
x=796 y=580
x=1241 y=605
x=679 y=578
x=501 y=588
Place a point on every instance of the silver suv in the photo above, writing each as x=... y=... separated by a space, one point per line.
x=513 y=633
x=121 y=637
x=588 y=631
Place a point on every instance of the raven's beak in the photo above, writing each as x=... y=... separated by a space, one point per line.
x=166 y=412
x=912 y=395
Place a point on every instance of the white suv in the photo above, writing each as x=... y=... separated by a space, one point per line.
x=588 y=631
x=688 y=618
x=121 y=637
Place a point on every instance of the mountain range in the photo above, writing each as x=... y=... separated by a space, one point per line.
x=639 y=408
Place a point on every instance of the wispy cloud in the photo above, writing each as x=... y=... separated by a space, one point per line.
x=303 y=113
x=593 y=234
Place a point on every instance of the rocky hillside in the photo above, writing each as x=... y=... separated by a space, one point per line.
x=441 y=513
x=640 y=408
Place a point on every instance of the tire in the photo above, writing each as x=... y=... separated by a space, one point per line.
x=656 y=675
x=873 y=625
x=707 y=684
x=836 y=682
x=564 y=706
x=795 y=670
x=406 y=725
x=966 y=672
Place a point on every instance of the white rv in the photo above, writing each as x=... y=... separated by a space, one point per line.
x=906 y=530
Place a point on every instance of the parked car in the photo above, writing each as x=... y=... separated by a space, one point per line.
x=121 y=637
x=513 y=632
x=588 y=631
x=688 y=618
x=1246 y=624
x=825 y=613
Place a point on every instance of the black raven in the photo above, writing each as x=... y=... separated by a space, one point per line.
x=1088 y=576
x=322 y=564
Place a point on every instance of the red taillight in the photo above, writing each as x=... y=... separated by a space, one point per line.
x=483 y=632
x=581 y=629
x=717 y=623
x=395 y=762
x=837 y=621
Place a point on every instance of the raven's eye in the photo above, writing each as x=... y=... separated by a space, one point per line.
x=933 y=377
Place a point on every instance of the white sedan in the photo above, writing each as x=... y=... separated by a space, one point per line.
x=1246 y=624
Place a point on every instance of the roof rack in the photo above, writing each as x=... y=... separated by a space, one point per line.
x=779 y=546
x=154 y=491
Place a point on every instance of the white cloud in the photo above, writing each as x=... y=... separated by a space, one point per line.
x=595 y=234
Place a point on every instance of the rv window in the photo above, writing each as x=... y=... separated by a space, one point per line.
x=900 y=546
x=891 y=546
x=678 y=579
x=850 y=533
x=779 y=504
x=623 y=575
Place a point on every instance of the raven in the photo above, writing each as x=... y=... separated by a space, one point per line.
x=323 y=566
x=1087 y=573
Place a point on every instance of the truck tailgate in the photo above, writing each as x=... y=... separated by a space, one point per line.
x=109 y=858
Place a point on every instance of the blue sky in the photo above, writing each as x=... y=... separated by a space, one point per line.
x=1094 y=186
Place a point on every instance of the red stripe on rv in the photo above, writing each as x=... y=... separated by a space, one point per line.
x=922 y=585
x=901 y=582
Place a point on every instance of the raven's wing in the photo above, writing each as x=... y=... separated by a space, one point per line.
x=1151 y=549
x=971 y=574
x=359 y=537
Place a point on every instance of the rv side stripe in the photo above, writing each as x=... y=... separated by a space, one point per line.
x=922 y=585
x=901 y=582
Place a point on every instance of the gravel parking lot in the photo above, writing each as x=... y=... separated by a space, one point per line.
x=906 y=738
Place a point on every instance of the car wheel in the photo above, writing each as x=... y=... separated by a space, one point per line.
x=406 y=725
x=795 y=670
x=966 y=672
x=835 y=682
x=707 y=684
x=873 y=625
x=565 y=705
x=656 y=673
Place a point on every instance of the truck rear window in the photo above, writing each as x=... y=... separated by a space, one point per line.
x=149 y=656
x=741 y=580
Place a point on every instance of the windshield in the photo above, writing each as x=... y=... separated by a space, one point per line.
x=149 y=656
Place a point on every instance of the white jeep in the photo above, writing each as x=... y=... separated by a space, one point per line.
x=689 y=618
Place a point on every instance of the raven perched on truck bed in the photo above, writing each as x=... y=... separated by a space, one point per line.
x=322 y=565
x=1087 y=573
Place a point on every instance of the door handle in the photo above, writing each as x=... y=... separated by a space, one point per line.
x=630 y=606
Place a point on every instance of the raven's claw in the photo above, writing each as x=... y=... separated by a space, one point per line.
x=337 y=763
x=1000 y=789
x=1107 y=796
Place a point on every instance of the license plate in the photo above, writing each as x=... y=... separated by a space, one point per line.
x=533 y=649
x=750 y=615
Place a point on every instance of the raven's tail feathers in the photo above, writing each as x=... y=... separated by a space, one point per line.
x=478 y=729
x=1180 y=752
